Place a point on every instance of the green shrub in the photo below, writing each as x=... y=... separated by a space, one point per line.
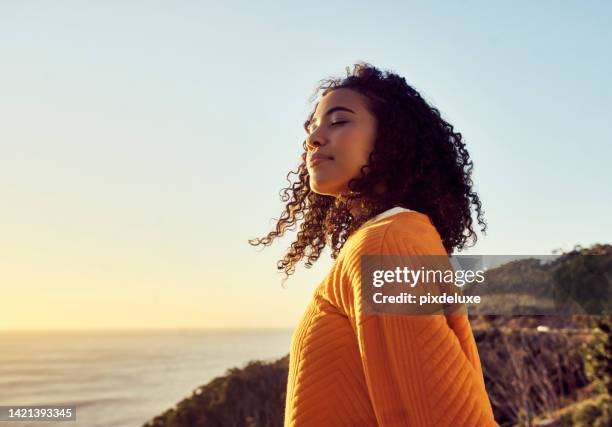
x=598 y=354
x=596 y=412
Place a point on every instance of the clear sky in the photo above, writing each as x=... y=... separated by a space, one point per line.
x=143 y=143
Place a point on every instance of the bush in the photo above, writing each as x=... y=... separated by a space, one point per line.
x=598 y=354
x=596 y=412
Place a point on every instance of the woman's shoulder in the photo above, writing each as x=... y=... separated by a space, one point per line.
x=403 y=233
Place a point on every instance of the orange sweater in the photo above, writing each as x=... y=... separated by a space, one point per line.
x=383 y=370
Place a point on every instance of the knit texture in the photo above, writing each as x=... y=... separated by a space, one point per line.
x=346 y=369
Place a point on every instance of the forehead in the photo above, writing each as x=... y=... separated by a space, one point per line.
x=340 y=97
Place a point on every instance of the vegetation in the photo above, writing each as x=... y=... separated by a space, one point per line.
x=248 y=397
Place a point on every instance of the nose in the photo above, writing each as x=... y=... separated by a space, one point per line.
x=314 y=140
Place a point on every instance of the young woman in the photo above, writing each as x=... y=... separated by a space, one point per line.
x=381 y=174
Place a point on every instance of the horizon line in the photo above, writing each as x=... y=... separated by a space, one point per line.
x=158 y=329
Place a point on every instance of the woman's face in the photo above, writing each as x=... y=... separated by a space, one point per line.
x=342 y=133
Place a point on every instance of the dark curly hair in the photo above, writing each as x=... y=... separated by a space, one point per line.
x=418 y=157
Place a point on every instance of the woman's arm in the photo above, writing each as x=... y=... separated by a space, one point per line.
x=421 y=370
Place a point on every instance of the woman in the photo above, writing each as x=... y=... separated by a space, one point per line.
x=381 y=174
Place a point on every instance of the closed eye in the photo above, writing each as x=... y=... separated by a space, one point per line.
x=337 y=123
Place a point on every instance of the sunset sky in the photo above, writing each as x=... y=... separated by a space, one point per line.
x=143 y=143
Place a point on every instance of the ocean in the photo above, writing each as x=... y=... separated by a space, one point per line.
x=121 y=379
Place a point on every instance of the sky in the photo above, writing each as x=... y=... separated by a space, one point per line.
x=143 y=143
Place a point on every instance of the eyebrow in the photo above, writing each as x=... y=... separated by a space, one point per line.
x=327 y=113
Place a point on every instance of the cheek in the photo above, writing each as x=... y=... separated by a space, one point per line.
x=354 y=155
x=349 y=165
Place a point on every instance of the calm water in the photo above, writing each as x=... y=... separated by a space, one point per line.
x=121 y=378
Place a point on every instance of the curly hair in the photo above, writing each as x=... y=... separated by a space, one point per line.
x=418 y=157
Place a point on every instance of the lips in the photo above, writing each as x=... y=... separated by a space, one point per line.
x=318 y=158
x=315 y=162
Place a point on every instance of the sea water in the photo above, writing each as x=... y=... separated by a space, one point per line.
x=122 y=379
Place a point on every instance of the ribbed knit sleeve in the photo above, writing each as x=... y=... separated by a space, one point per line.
x=420 y=370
